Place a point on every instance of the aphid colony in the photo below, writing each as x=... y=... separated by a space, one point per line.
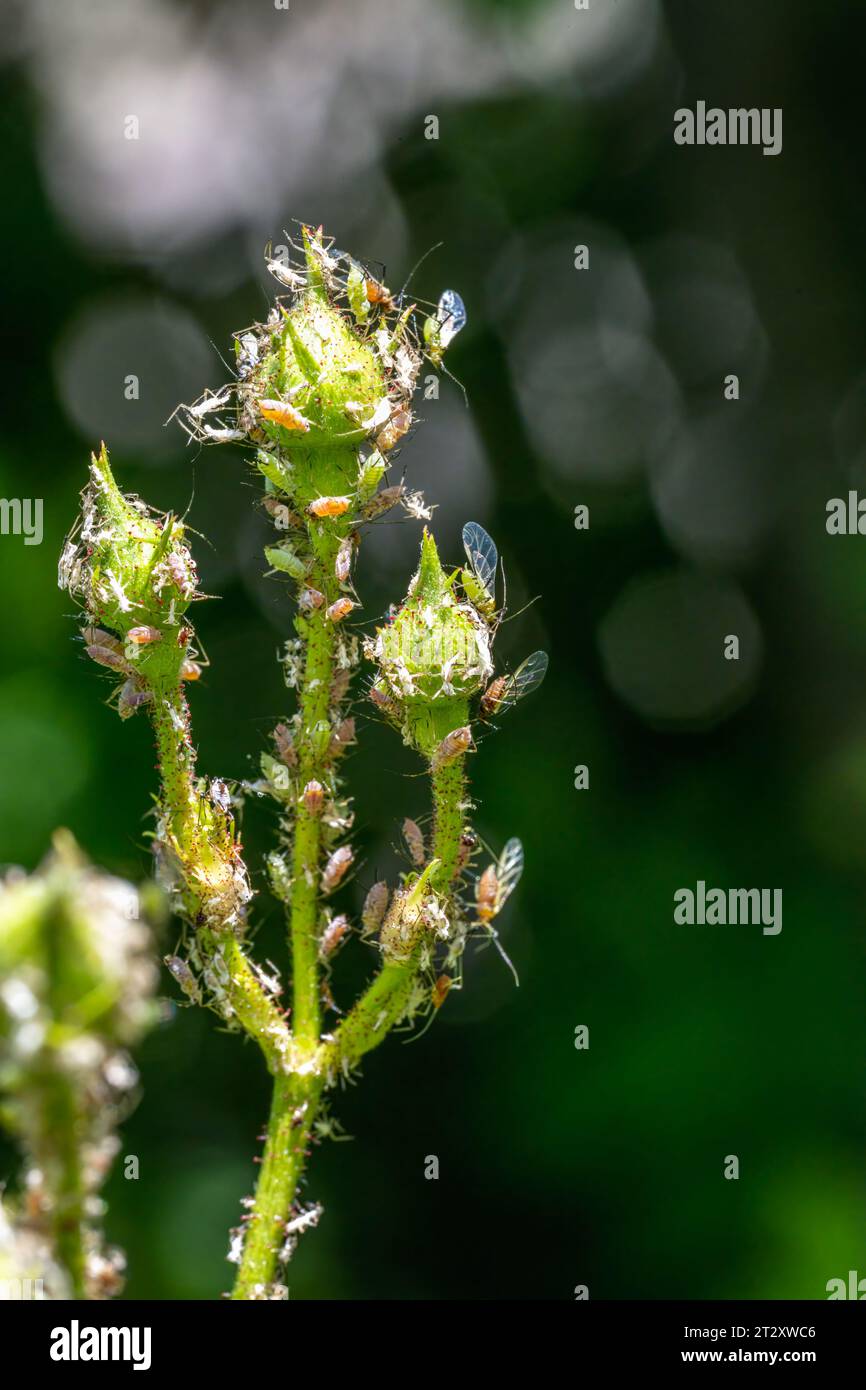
x=323 y=395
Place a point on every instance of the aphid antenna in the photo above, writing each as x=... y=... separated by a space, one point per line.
x=416 y=267
x=512 y=616
x=231 y=370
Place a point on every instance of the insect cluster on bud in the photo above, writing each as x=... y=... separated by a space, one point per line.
x=133 y=573
x=432 y=657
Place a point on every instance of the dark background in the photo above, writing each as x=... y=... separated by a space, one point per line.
x=604 y=387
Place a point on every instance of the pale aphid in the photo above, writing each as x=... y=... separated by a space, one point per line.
x=313 y=798
x=333 y=936
x=142 y=636
x=375 y=904
x=504 y=692
x=453 y=746
x=479 y=580
x=498 y=882
x=336 y=868
x=414 y=837
x=343 y=562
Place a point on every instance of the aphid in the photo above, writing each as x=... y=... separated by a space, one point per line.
x=292 y=279
x=382 y=502
x=439 y=992
x=453 y=745
x=343 y=562
x=184 y=976
x=184 y=635
x=414 y=837
x=142 y=636
x=340 y=610
x=479 y=580
x=313 y=798
x=247 y=354
x=104 y=649
x=333 y=936
x=398 y=425
x=374 y=908
x=310 y=598
x=336 y=867
x=504 y=692
x=209 y=403
x=383 y=701
x=329 y=506
x=340 y=685
x=132 y=696
x=281 y=413
x=190 y=670
x=342 y=737
x=222 y=436
x=468 y=845
x=285 y=745
x=284 y=559
x=377 y=293
x=220 y=795
x=498 y=882
x=440 y=332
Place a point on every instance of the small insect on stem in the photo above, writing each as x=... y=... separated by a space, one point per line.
x=184 y=977
x=281 y=413
x=313 y=798
x=439 y=992
x=498 y=882
x=398 y=425
x=504 y=692
x=190 y=670
x=343 y=562
x=285 y=745
x=382 y=502
x=335 y=869
x=144 y=635
x=329 y=506
x=453 y=745
x=310 y=598
x=375 y=905
x=340 y=610
x=333 y=936
x=414 y=838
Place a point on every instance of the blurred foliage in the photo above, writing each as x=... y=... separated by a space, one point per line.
x=558 y=1167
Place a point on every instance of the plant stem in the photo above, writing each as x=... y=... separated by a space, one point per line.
x=293 y=1110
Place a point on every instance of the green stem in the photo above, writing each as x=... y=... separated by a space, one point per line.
x=386 y=998
x=203 y=841
x=293 y=1110
x=318 y=634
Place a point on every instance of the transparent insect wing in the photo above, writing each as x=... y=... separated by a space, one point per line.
x=528 y=677
x=482 y=555
x=509 y=870
x=451 y=313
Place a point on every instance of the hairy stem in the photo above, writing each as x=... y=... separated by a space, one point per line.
x=293 y=1110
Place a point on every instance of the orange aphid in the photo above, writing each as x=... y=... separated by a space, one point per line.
x=280 y=413
x=141 y=636
x=190 y=671
x=329 y=506
x=340 y=610
x=439 y=992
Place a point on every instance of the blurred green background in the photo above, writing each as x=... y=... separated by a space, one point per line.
x=601 y=387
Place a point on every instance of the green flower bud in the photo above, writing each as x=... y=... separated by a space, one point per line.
x=126 y=564
x=433 y=657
